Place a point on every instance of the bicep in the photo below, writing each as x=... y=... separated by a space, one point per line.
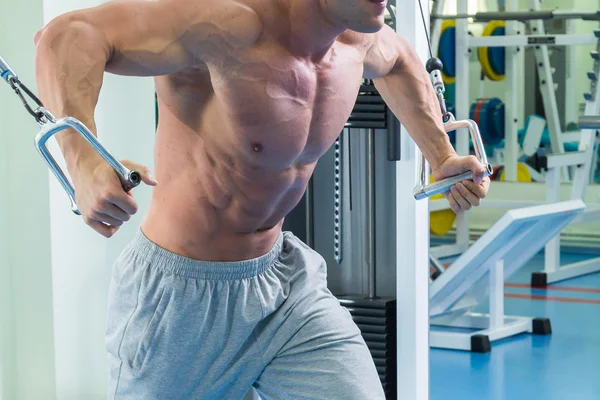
x=150 y=38
x=384 y=53
x=145 y=38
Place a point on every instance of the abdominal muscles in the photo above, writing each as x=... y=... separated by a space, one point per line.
x=234 y=155
x=225 y=181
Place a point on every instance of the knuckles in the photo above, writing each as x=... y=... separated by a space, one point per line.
x=94 y=215
x=108 y=195
x=97 y=204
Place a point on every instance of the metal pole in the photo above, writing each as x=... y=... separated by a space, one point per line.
x=589 y=122
x=370 y=189
x=546 y=87
x=522 y=16
x=511 y=102
x=462 y=99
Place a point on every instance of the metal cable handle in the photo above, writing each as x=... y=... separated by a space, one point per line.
x=51 y=126
x=422 y=190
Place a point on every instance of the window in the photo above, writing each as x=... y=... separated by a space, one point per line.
x=472 y=5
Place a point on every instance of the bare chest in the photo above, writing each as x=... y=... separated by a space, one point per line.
x=285 y=109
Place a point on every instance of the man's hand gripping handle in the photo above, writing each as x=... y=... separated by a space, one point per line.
x=422 y=191
x=51 y=126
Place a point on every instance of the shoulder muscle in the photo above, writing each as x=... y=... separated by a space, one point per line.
x=222 y=27
x=166 y=36
x=383 y=51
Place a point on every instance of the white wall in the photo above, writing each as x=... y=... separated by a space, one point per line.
x=82 y=259
x=27 y=355
x=52 y=341
x=6 y=314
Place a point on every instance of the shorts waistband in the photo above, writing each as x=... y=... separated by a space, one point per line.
x=207 y=270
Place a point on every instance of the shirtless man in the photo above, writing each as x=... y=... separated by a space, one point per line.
x=211 y=297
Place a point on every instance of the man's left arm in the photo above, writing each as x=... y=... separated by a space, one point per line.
x=405 y=86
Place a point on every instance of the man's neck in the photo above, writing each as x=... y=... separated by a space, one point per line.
x=312 y=30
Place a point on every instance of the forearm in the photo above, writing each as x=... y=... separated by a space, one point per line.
x=71 y=56
x=408 y=92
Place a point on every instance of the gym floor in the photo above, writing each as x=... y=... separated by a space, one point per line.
x=561 y=366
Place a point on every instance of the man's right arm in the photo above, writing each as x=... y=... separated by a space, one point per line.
x=127 y=37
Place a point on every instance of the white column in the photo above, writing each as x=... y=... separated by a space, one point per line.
x=26 y=345
x=463 y=100
x=512 y=71
x=463 y=103
x=82 y=259
x=496 y=279
x=552 y=248
x=412 y=244
x=571 y=100
x=545 y=73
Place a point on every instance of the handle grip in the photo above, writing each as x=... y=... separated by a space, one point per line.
x=51 y=126
x=423 y=191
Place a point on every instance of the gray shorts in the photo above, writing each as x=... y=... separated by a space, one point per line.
x=185 y=329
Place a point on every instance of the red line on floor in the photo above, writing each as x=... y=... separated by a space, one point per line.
x=550 y=298
x=549 y=288
x=558 y=288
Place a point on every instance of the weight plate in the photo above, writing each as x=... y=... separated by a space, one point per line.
x=487 y=124
x=477 y=111
x=447 y=51
x=498 y=118
x=483 y=122
x=496 y=54
x=523 y=174
x=483 y=52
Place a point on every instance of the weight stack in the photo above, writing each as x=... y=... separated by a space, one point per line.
x=376 y=319
x=375 y=316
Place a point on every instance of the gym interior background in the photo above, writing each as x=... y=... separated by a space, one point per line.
x=54 y=272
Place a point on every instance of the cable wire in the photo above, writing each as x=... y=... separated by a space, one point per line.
x=425 y=28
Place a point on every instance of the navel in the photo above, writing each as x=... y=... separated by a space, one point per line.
x=257 y=147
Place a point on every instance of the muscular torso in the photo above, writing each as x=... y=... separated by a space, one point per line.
x=238 y=141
